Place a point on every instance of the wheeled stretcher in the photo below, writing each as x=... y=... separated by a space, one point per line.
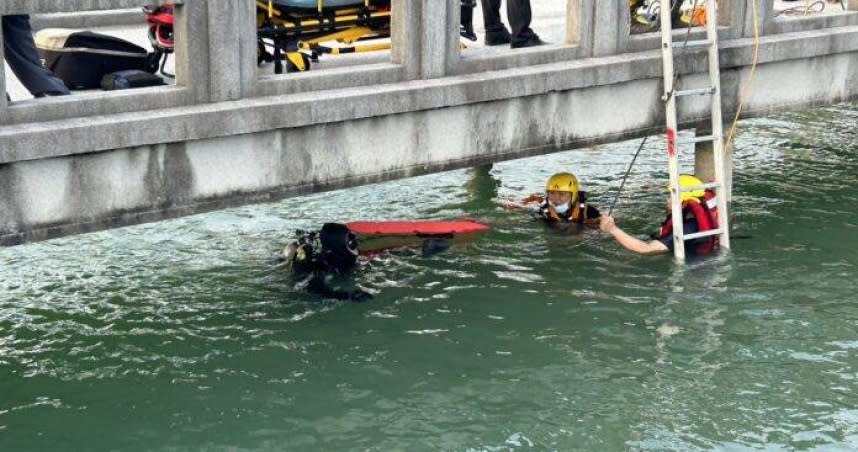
x=299 y=32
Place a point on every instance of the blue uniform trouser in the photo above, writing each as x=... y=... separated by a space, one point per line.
x=23 y=58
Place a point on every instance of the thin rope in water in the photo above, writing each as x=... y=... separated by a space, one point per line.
x=626 y=176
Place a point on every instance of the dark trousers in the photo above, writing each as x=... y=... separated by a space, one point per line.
x=23 y=58
x=519 y=15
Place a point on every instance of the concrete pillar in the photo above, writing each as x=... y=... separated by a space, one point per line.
x=3 y=103
x=192 y=48
x=573 y=22
x=607 y=24
x=732 y=13
x=231 y=38
x=452 y=49
x=406 y=32
x=435 y=38
x=579 y=25
x=764 y=13
x=704 y=160
x=728 y=169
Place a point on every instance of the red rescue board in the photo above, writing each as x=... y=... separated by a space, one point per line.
x=415 y=227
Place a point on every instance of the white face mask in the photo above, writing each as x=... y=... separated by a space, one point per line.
x=561 y=209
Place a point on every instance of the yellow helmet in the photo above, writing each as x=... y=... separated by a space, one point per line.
x=566 y=182
x=689 y=181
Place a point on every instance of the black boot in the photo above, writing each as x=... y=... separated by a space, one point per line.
x=531 y=41
x=497 y=38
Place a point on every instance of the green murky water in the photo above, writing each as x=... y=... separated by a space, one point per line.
x=187 y=335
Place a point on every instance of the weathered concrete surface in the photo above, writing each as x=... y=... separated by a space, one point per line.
x=249 y=140
x=91 y=19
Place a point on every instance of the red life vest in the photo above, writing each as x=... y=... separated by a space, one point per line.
x=705 y=212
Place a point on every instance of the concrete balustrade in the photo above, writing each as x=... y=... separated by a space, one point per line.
x=228 y=134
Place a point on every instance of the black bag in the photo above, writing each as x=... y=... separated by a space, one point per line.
x=130 y=79
x=82 y=58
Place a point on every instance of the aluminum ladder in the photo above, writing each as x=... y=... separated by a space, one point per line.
x=674 y=141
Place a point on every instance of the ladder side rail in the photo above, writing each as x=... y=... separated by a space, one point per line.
x=670 y=116
x=718 y=123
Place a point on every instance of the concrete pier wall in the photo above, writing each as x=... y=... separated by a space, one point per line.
x=228 y=135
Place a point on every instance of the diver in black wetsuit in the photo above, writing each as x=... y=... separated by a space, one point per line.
x=321 y=259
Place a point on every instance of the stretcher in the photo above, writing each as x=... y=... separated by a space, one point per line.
x=296 y=33
x=299 y=32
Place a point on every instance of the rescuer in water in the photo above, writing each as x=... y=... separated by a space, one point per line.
x=699 y=214
x=563 y=204
x=323 y=261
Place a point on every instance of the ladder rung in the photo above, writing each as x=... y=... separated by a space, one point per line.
x=695 y=92
x=699 y=235
x=700 y=139
x=696 y=43
x=709 y=186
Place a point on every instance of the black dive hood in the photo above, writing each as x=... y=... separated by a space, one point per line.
x=339 y=246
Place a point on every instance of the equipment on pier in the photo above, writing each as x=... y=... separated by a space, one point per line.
x=304 y=30
x=299 y=32
x=81 y=59
x=160 y=20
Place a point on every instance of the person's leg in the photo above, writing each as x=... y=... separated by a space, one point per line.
x=520 y=15
x=23 y=58
x=491 y=15
x=467 y=23
x=676 y=14
x=496 y=32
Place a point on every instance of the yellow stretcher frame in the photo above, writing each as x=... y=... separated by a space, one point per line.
x=301 y=34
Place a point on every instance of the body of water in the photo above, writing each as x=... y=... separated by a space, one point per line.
x=189 y=335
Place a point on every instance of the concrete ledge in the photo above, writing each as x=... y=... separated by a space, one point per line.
x=329 y=79
x=97 y=133
x=780 y=25
x=34 y=7
x=652 y=41
x=98 y=103
x=471 y=64
x=91 y=19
